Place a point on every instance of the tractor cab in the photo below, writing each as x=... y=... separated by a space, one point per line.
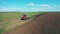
x=24 y=17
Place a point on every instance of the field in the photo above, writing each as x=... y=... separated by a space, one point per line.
x=8 y=18
x=47 y=23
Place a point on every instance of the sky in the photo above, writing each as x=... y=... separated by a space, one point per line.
x=29 y=5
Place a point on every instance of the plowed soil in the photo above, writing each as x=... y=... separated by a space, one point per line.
x=48 y=23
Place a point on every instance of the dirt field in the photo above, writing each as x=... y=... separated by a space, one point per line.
x=11 y=20
x=48 y=23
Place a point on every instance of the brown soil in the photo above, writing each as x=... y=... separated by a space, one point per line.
x=48 y=23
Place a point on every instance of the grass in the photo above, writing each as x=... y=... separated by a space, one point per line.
x=1 y=30
x=5 y=17
x=16 y=14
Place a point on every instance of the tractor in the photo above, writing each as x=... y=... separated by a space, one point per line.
x=24 y=17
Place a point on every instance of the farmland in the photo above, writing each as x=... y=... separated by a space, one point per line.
x=47 y=23
x=7 y=17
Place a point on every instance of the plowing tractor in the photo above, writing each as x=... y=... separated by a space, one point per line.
x=24 y=17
